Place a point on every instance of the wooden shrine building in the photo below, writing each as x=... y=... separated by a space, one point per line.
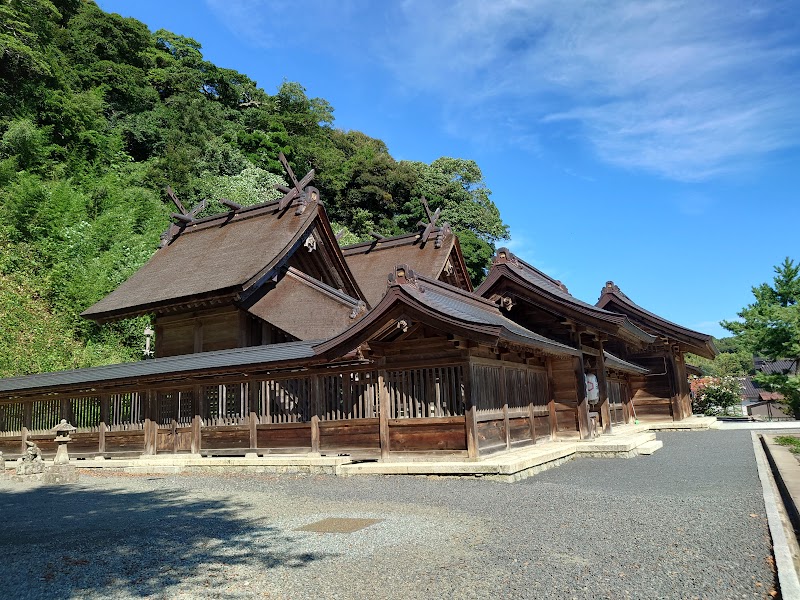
x=270 y=338
x=542 y=304
x=664 y=392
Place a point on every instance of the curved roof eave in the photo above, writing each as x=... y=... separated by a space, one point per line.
x=620 y=321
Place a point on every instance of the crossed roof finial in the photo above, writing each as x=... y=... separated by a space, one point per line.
x=430 y=227
x=185 y=216
x=299 y=188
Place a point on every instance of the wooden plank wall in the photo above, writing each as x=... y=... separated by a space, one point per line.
x=652 y=394
x=202 y=331
x=511 y=404
x=616 y=396
x=565 y=394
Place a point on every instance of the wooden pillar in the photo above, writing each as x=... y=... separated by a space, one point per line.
x=624 y=398
x=470 y=415
x=583 y=404
x=316 y=391
x=504 y=397
x=149 y=446
x=530 y=375
x=27 y=415
x=602 y=386
x=252 y=400
x=66 y=412
x=244 y=330
x=197 y=419
x=551 y=400
x=686 y=400
x=675 y=395
x=198 y=335
x=383 y=395
x=105 y=400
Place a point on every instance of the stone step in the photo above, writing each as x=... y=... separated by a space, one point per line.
x=648 y=448
x=615 y=443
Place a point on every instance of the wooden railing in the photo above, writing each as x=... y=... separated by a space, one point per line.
x=426 y=393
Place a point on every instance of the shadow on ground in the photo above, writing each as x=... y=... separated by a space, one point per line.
x=75 y=541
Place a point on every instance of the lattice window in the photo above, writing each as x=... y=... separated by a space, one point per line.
x=225 y=404
x=421 y=393
x=11 y=417
x=286 y=400
x=45 y=414
x=84 y=412
x=349 y=396
x=125 y=411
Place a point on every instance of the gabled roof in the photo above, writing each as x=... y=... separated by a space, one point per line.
x=371 y=262
x=441 y=305
x=698 y=343
x=202 y=362
x=776 y=367
x=550 y=294
x=306 y=308
x=749 y=387
x=219 y=258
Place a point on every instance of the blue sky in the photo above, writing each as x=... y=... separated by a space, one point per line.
x=653 y=143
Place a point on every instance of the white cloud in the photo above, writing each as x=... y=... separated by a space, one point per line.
x=688 y=90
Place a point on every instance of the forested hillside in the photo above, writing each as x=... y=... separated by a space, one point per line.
x=98 y=115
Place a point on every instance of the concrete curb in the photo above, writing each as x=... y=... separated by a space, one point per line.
x=787 y=574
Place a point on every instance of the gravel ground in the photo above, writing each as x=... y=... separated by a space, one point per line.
x=687 y=522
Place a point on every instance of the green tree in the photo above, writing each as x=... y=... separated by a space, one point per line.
x=456 y=185
x=770 y=327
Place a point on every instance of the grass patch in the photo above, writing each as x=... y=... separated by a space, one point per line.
x=789 y=440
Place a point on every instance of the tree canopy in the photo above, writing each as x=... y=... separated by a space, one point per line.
x=98 y=115
x=770 y=327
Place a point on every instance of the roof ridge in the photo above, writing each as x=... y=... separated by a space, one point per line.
x=516 y=259
x=456 y=291
x=611 y=289
x=380 y=244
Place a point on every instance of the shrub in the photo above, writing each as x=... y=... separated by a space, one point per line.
x=715 y=395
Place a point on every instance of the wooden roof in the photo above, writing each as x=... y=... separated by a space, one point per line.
x=371 y=262
x=306 y=308
x=227 y=257
x=508 y=272
x=276 y=356
x=612 y=298
x=411 y=296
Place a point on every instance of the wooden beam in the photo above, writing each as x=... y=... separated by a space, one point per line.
x=178 y=204
x=105 y=400
x=580 y=388
x=383 y=395
x=675 y=394
x=316 y=405
x=149 y=446
x=471 y=418
x=529 y=375
x=602 y=384
x=197 y=419
x=504 y=396
x=551 y=401
x=252 y=401
x=230 y=204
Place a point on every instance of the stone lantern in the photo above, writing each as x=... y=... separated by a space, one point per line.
x=62 y=431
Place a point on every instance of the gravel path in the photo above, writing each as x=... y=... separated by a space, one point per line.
x=687 y=522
